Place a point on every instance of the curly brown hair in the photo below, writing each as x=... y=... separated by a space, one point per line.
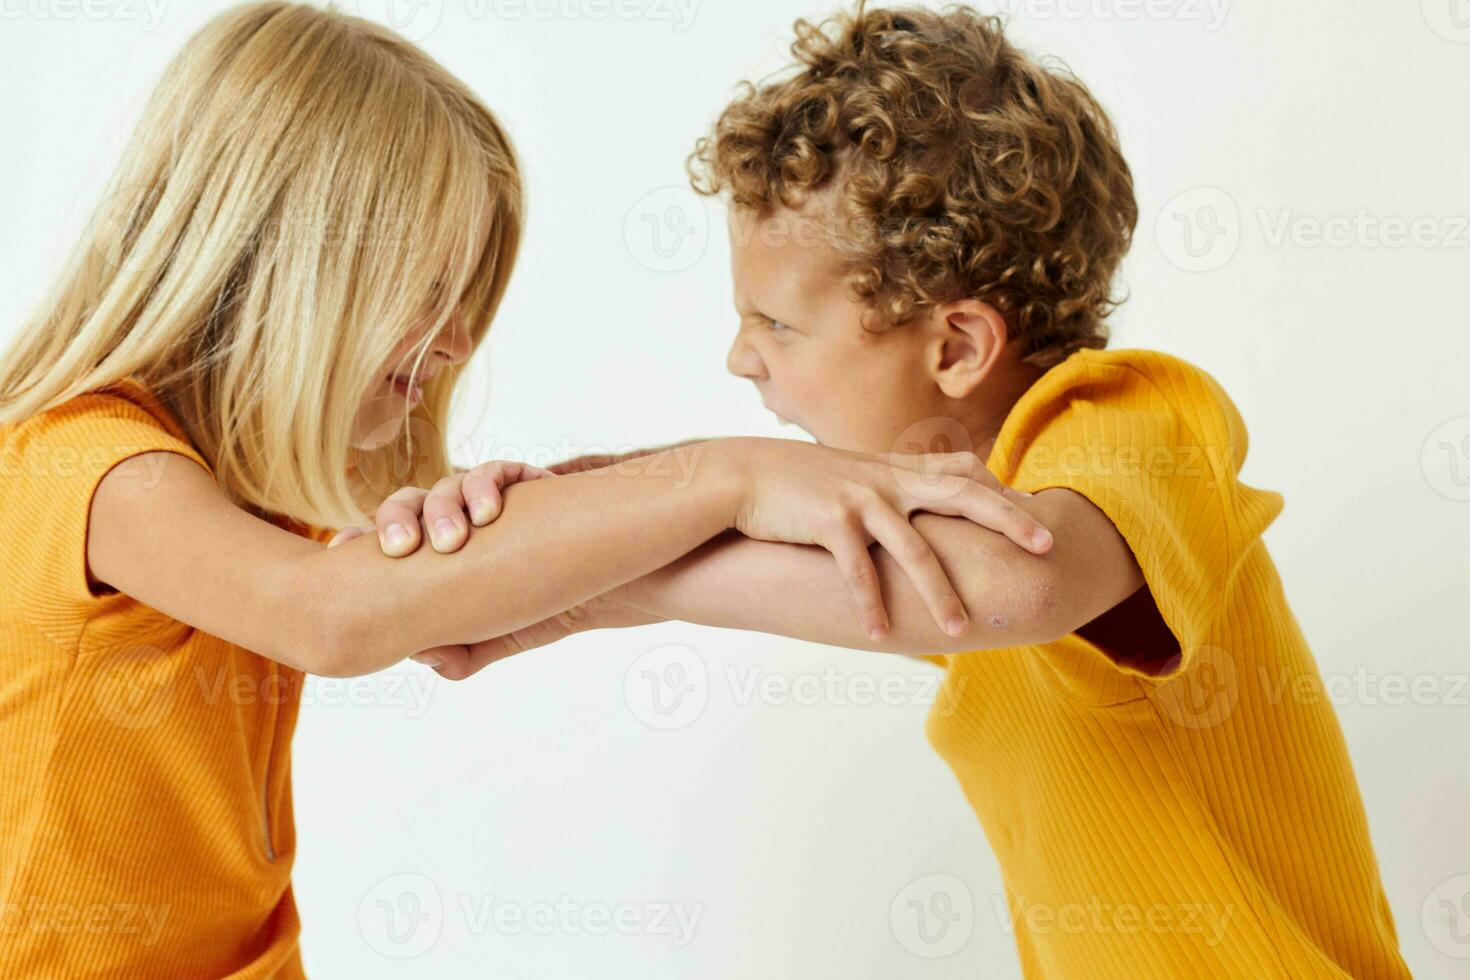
x=965 y=169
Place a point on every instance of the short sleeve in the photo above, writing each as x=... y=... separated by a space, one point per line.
x=51 y=466
x=1157 y=445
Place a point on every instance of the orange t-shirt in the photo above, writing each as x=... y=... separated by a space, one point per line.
x=1196 y=820
x=145 y=823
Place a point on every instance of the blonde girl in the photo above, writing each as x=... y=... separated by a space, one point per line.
x=257 y=341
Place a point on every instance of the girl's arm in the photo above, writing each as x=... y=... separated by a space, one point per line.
x=1015 y=597
x=181 y=547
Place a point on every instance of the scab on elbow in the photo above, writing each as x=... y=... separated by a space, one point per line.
x=1026 y=610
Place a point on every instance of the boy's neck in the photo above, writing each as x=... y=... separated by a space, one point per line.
x=985 y=411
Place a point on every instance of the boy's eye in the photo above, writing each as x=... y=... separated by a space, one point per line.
x=776 y=325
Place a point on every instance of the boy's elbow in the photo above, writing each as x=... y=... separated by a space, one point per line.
x=1023 y=607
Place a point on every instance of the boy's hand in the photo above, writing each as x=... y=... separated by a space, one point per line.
x=844 y=501
x=443 y=508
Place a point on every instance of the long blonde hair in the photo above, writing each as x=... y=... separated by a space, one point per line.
x=303 y=187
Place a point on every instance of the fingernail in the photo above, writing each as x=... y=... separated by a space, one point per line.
x=1041 y=537
x=479 y=509
x=956 y=626
x=443 y=531
x=876 y=632
x=427 y=660
x=397 y=535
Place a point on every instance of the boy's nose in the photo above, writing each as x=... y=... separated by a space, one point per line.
x=743 y=361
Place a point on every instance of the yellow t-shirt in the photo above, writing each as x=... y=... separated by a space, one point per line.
x=1196 y=820
x=145 y=820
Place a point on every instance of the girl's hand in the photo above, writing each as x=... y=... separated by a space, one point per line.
x=443 y=508
x=845 y=501
x=457 y=662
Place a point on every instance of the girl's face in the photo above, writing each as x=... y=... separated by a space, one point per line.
x=380 y=416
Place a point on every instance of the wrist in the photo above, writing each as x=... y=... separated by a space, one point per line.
x=726 y=465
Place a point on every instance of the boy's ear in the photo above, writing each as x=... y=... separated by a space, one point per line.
x=967 y=339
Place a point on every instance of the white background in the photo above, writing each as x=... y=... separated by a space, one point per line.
x=792 y=829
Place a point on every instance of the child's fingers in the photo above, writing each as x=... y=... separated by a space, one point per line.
x=917 y=559
x=397 y=520
x=444 y=519
x=855 y=563
x=481 y=491
x=997 y=512
x=482 y=485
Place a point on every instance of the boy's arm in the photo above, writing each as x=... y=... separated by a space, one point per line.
x=1014 y=597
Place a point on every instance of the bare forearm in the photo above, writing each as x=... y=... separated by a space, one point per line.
x=1013 y=597
x=557 y=543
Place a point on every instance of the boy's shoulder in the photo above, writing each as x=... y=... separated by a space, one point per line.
x=1167 y=374
x=1127 y=400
